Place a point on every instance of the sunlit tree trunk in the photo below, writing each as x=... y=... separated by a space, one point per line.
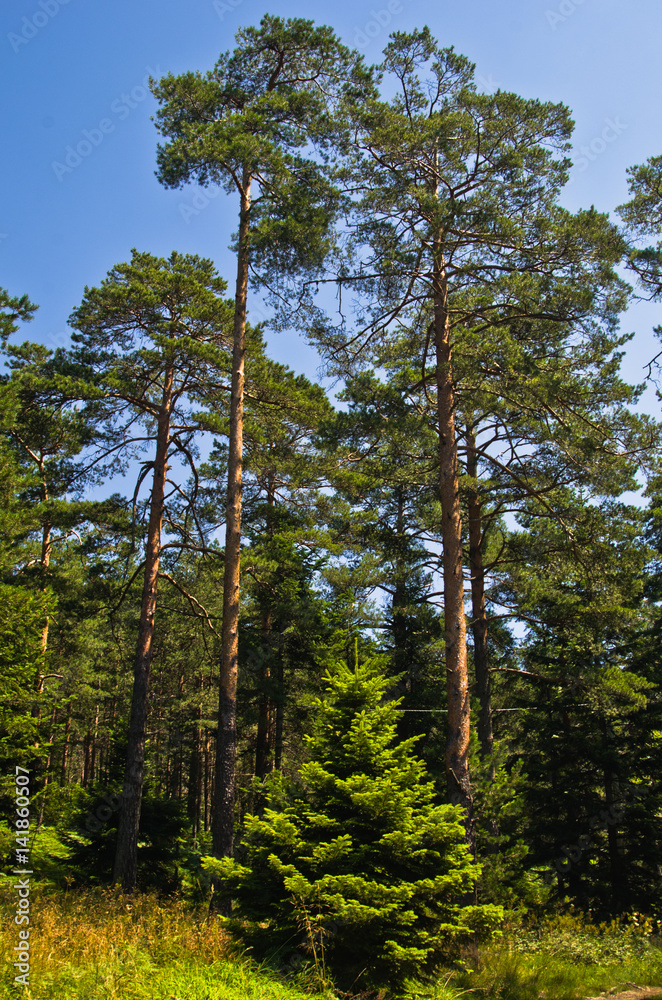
x=457 y=681
x=226 y=745
x=478 y=609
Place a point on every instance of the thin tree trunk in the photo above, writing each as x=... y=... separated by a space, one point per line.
x=46 y=548
x=264 y=742
x=95 y=734
x=280 y=709
x=402 y=660
x=208 y=781
x=65 y=748
x=126 y=852
x=457 y=681
x=194 y=785
x=87 y=746
x=226 y=743
x=617 y=875
x=265 y=736
x=47 y=769
x=478 y=609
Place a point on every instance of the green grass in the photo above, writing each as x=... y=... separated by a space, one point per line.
x=135 y=976
x=510 y=976
x=100 y=945
x=564 y=958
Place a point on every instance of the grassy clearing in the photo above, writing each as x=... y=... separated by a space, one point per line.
x=98 y=945
x=565 y=958
x=136 y=977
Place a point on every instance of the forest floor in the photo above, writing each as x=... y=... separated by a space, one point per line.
x=635 y=993
x=100 y=945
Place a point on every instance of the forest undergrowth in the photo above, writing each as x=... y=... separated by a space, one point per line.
x=102 y=945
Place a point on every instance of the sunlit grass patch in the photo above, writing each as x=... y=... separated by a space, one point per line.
x=83 y=940
x=564 y=958
x=136 y=977
x=102 y=945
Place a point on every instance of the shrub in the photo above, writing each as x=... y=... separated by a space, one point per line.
x=361 y=868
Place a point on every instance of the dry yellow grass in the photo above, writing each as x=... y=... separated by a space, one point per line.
x=81 y=928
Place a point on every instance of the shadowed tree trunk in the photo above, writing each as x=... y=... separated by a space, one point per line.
x=264 y=742
x=64 y=775
x=478 y=609
x=280 y=708
x=208 y=781
x=265 y=722
x=195 y=770
x=617 y=874
x=126 y=852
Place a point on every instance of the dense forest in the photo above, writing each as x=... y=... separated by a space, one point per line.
x=386 y=660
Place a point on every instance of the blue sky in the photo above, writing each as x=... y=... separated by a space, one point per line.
x=73 y=75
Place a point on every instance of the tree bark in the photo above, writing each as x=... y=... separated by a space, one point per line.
x=264 y=742
x=195 y=769
x=126 y=851
x=226 y=743
x=403 y=665
x=64 y=776
x=46 y=548
x=280 y=708
x=265 y=721
x=618 y=876
x=457 y=681
x=207 y=782
x=95 y=736
x=478 y=609
x=47 y=769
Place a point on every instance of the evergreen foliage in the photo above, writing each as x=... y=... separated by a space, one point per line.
x=361 y=866
x=484 y=447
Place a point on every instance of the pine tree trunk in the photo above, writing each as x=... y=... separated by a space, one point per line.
x=87 y=746
x=402 y=661
x=95 y=735
x=226 y=743
x=617 y=875
x=47 y=769
x=280 y=709
x=46 y=548
x=194 y=784
x=64 y=776
x=457 y=680
x=126 y=851
x=263 y=762
x=478 y=609
x=208 y=782
x=264 y=743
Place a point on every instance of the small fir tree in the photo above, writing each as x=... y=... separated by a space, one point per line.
x=361 y=868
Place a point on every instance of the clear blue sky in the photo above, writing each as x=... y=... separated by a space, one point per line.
x=76 y=67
